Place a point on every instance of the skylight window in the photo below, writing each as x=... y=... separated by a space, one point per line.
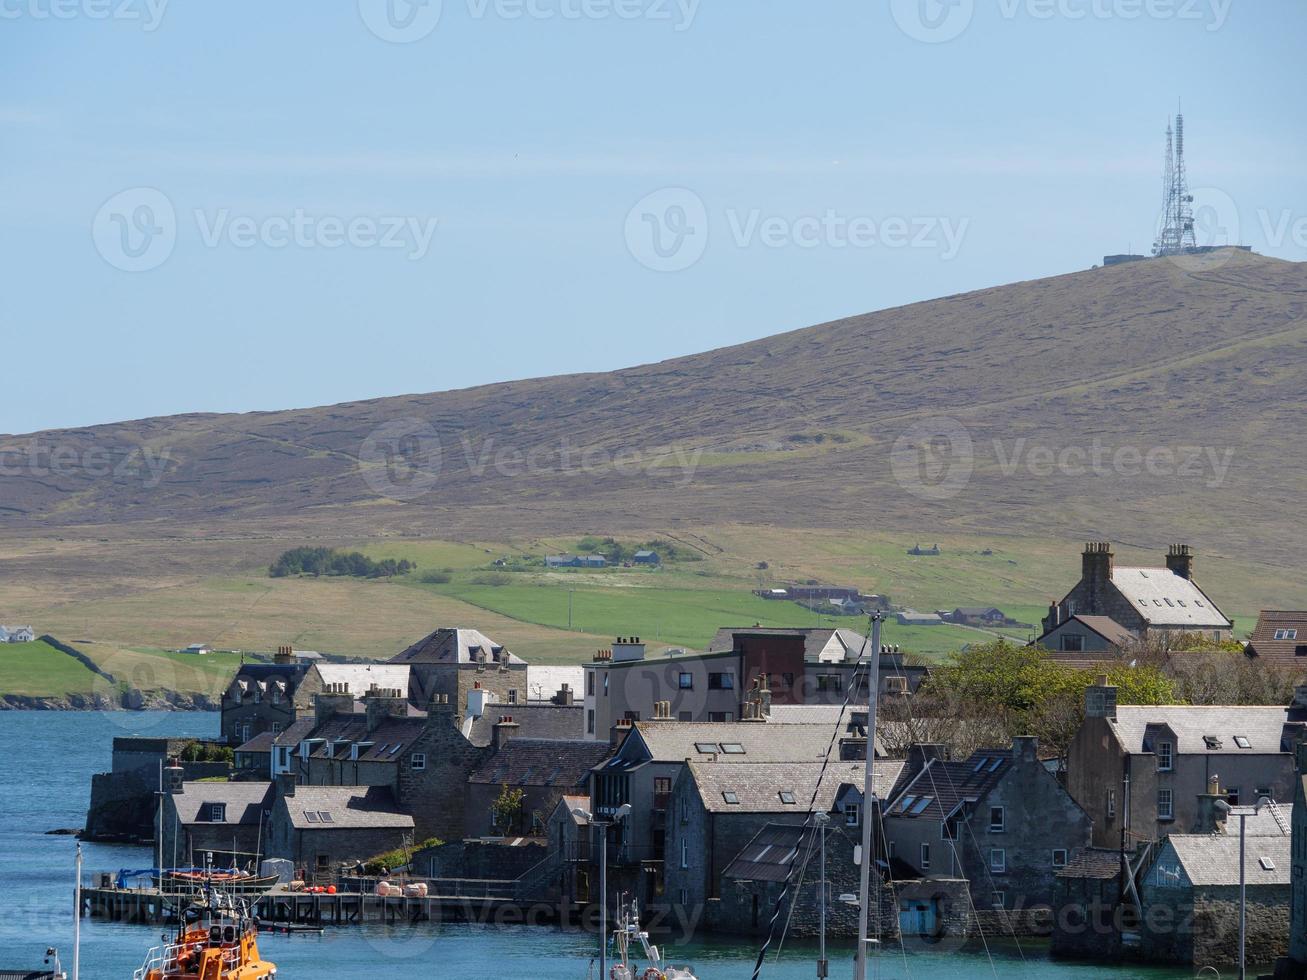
x=1199 y=604
x=1286 y=634
x=1144 y=603
x=733 y=748
x=311 y=816
x=1266 y=863
x=787 y=797
x=730 y=796
x=922 y=803
x=325 y=817
x=1181 y=601
x=1169 y=603
x=1242 y=742
x=993 y=766
x=1211 y=741
x=705 y=748
x=984 y=760
x=907 y=802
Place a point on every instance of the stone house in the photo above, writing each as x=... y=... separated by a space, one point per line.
x=454 y=662
x=1083 y=641
x=801 y=666
x=571 y=840
x=321 y=828
x=124 y=804
x=1138 y=770
x=1280 y=640
x=716 y=810
x=1141 y=600
x=544 y=770
x=228 y=820
x=261 y=698
x=1189 y=896
x=355 y=679
x=1000 y=819
x=1090 y=918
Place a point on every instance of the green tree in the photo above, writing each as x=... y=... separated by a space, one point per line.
x=507 y=808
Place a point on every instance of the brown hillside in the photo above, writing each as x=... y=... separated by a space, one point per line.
x=796 y=429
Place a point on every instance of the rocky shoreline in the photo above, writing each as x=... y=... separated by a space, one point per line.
x=128 y=701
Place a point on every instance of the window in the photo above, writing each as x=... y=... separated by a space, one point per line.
x=788 y=681
x=907 y=802
x=1059 y=857
x=685 y=716
x=512 y=696
x=685 y=681
x=685 y=852
x=948 y=830
x=590 y=682
x=605 y=683
x=721 y=682
x=662 y=790
x=1286 y=634
x=997 y=860
x=925 y=857
x=1232 y=795
x=732 y=748
x=922 y=803
x=590 y=721
x=417 y=761
x=685 y=810
x=1073 y=642
x=276 y=728
x=1242 y=742
x=705 y=748
x=1111 y=803
x=730 y=796
x=1165 y=805
x=718 y=717
x=852 y=814
x=311 y=816
x=1165 y=756
x=217 y=812
x=1212 y=742
x=1000 y=900
x=787 y=797
x=984 y=761
x=1266 y=863
x=997 y=820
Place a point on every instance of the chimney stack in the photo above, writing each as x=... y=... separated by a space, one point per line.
x=1025 y=749
x=621 y=728
x=1100 y=699
x=505 y=729
x=1096 y=572
x=335 y=699
x=627 y=648
x=1210 y=818
x=1180 y=559
x=174 y=776
x=565 y=697
x=285 y=655
x=383 y=703
x=286 y=784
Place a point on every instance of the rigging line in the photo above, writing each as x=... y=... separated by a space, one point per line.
x=812 y=802
x=889 y=873
x=798 y=887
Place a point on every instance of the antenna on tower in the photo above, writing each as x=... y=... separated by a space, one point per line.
x=1177 y=234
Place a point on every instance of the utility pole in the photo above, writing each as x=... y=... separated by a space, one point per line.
x=822 y=819
x=868 y=794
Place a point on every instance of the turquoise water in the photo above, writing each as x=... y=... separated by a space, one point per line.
x=49 y=757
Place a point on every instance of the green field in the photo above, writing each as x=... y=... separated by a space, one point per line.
x=39 y=670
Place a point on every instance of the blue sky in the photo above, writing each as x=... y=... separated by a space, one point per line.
x=241 y=206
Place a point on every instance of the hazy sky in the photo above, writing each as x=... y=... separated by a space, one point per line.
x=230 y=206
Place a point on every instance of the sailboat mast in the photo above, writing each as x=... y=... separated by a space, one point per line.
x=868 y=793
x=77 y=916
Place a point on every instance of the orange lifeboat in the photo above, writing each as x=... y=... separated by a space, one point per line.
x=218 y=940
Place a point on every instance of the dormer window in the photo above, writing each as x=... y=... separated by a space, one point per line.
x=1286 y=634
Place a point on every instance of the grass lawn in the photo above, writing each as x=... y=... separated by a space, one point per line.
x=39 y=670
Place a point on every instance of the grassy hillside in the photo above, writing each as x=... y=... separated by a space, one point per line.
x=39 y=670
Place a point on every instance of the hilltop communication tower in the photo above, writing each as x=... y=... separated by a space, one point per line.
x=1177 y=234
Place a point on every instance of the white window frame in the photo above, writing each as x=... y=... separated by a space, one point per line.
x=217 y=813
x=1001 y=826
x=1165 y=755
x=1066 y=856
x=925 y=856
x=1166 y=812
x=998 y=860
x=417 y=762
x=852 y=814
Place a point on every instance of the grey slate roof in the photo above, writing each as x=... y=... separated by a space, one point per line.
x=1164 y=598
x=757 y=786
x=542 y=683
x=1101 y=863
x=675 y=741
x=944 y=786
x=768 y=856
x=261 y=742
x=244 y=802
x=455 y=646
x=829 y=644
x=536 y=721
x=1213 y=859
x=361 y=677
x=347 y=807
x=1263 y=726
x=295 y=732
x=542 y=762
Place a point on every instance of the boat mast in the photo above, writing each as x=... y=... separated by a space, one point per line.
x=77 y=915
x=868 y=794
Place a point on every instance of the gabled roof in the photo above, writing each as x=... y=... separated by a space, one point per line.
x=456 y=646
x=542 y=683
x=261 y=742
x=346 y=807
x=1105 y=626
x=1291 y=649
x=334 y=738
x=675 y=741
x=829 y=645
x=244 y=802
x=541 y=762
x=295 y=732
x=1101 y=863
x=264 y=672
x=941 y=787
x=757 y=787
x=1164 y=598
x=1136 y=726
x=1213 y=859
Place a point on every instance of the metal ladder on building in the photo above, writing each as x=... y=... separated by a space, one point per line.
x=1279 y=818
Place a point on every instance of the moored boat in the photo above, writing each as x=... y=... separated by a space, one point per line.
x=216 y=940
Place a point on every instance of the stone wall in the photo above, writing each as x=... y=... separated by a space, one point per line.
x=1200 y=926
x=435 y=796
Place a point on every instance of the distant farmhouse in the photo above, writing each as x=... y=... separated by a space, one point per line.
x=910 y=617
x=576 y=561
x=646 y=557
x=981 y=616
x=1111 y=603
x=836 y=600
x=197 y=648
x=17 y=634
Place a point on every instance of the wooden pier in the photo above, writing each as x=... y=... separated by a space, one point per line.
x=147 y=905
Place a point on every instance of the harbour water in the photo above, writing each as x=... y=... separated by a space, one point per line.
x=48 y=761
